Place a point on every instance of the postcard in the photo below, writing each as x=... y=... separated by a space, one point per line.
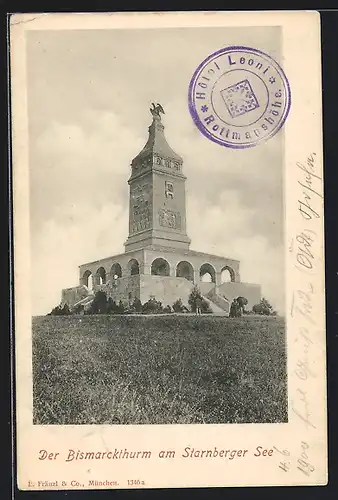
x=169 y=292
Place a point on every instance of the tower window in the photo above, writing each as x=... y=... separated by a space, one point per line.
x=169 y=190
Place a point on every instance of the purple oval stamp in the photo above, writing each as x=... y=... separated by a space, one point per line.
x=239 y=97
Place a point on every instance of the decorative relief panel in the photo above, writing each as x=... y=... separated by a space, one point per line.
x=167 y=162
x=141 y=207
x=158 y=160
x=169 y=189
x=167 y=218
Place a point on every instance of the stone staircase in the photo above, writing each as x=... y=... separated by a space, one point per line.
x=85 y=302
x=173 y=288
x=218 y=301
x=215 y=308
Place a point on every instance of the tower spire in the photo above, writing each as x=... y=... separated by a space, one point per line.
x=156 y=110
x=156 y=146
x=157 y=212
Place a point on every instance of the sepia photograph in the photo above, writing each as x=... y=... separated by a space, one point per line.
x=169 y=286
x=159 y=253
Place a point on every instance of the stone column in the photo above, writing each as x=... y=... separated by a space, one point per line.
x=109 y=277
x=96 y=279
x=147 y=259
x=126 y=272
x=146 y=268
x=172 y=270
x=197 y=278
x=218 y=279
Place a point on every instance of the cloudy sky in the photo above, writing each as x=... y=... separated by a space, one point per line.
x=89 y=94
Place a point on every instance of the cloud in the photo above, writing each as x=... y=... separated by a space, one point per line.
x=85 y=163
x=215 y=232
x=58 y=248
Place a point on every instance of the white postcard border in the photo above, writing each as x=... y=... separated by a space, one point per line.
x=302 y=443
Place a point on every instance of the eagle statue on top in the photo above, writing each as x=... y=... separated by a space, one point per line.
x=156 y=110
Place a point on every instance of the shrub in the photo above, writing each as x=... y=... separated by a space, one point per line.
x=121 y=308
x=242 y=302
x=167 y=309
x=235 y=309
x=60 y=311
x=194 y=297
x=112 y=307
x=178 y=306
x=152 y=306
x=56 y=311
x=205 y=307
x=264 y=308
x=99 y=304
x=137 y=305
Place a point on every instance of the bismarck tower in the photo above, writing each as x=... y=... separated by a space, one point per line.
x=157 y=261
x=157 y=213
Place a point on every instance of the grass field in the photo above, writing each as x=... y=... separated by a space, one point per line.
x=158 y=370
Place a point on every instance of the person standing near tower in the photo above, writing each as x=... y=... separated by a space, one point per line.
x=198 y=305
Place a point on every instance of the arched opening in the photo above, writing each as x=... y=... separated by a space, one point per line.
x=116 y=271
x=88 y=279
x=160 y=267
x=133 y=267
x=101 y=276
x=227 y=275
x=207 y=273
x=185 y=270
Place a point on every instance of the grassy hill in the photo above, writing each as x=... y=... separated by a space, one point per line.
x=158 y=370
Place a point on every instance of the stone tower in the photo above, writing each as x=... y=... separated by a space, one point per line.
x=157 y=208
